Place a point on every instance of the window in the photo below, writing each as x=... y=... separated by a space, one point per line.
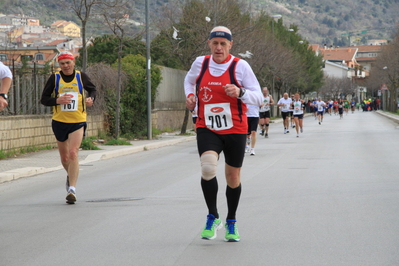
x=39 y=56
x=26 y=58
x=3 y=57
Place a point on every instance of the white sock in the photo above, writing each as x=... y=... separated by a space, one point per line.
x=72 y=188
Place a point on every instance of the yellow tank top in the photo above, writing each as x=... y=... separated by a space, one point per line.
x=74 y=112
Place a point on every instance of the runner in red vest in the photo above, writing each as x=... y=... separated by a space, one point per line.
x=221 y=85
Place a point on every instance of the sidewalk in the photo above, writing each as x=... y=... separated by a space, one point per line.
x=391 y=116
x=49 y=160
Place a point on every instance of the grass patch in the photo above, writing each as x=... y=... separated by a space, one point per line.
x=15 y=153
x=88 y=144
x=187 y=134
x=117 y=142
x=156 y=132
x=168 y=130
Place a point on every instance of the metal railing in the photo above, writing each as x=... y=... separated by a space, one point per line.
x=24 y=95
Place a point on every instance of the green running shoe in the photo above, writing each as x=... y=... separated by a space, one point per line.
x=231 y=231
x=211 y=226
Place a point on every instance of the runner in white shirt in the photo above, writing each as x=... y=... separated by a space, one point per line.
x=292 y=112
x=298 y=106
x=330 y=106
x=320 y=109
x=264 y=112
x=285 y=105
x=253 y=120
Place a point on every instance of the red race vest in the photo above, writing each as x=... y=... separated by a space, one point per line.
x=216 y=110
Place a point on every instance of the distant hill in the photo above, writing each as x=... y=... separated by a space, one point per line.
x=328 y=21
x=319 y=21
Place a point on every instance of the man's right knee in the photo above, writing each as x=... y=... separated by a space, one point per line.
x=208 y=165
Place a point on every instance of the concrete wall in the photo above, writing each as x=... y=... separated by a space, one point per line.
x=169 y=105
x=22 y=131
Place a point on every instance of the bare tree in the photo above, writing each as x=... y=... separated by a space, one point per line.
x=105 y=78
x=83 y=10
x=114 y=14
x=386 y=71
x=336 y=88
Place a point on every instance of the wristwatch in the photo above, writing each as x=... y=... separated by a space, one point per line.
x=4 y=95
x=242 y=92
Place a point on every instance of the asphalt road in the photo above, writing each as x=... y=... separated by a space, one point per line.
x=329 y=197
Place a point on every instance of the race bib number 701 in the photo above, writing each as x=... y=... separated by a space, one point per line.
x=218 y=116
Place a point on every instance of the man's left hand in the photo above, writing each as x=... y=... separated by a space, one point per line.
x=3 y=103
x=89 y=102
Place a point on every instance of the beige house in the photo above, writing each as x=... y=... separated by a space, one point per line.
x=34 y=57
x=67 y=28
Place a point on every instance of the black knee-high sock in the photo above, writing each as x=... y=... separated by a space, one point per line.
x=233 y=197
x=210 y=190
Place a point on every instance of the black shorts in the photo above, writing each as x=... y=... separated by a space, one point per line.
x=285 y=115
x=252 y=124
x=263 y=115
x=194 y=120
x=299 y=116
x=320 y=113
x=232 y=145
x=62 y=130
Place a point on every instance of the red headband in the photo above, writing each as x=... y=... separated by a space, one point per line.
x=65 y=56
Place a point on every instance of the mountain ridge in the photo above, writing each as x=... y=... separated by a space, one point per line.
x=319 y=21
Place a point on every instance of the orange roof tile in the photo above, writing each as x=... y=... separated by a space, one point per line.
x=347 y=54
x=56 y=42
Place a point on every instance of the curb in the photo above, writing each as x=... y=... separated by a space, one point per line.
x=31 y=171
x=393 y=117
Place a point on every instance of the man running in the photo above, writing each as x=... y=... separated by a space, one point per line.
x=253 y=121
x=292 y=112
x=346 y=106
x=299 y=106
x=315 y=108
x=264 y=112
x=335 y=106
x=320 y=110
x=330 y=106
x=224 y=85
x=65 y=91
x=353 y=106
x=285 y=105
x=340 y=108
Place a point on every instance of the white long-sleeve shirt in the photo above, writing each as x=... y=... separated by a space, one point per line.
x=244 y=76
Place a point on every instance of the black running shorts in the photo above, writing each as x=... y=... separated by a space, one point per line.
x=285 y=115
x=62 y=130
x=299 y=116
x=264 y=114
x=252 y=124
x=232 y=145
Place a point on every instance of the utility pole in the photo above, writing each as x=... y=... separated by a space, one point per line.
x=147 y=27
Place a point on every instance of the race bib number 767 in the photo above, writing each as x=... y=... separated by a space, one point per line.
x=73 y=105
